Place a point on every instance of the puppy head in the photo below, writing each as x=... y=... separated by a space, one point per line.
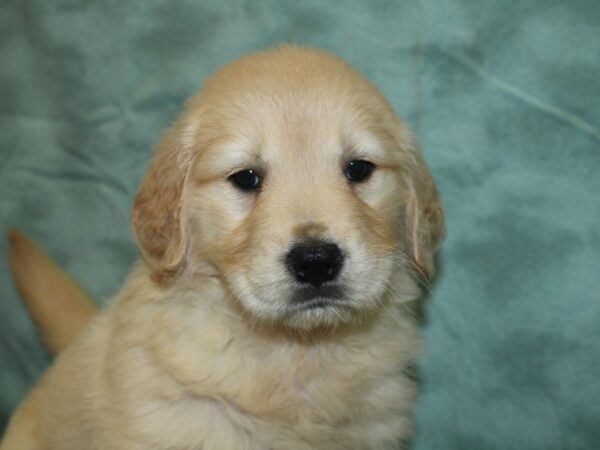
x=291 y=178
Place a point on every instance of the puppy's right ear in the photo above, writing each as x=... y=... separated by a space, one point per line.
x=158 y=220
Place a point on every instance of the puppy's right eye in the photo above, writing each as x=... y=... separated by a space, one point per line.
x=246 y=180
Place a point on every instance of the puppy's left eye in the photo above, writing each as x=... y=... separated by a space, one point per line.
x=359 y=170
x=246 y=180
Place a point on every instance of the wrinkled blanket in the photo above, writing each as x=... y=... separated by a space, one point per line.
x=504 y=97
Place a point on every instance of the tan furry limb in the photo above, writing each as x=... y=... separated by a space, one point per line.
x=59 y=307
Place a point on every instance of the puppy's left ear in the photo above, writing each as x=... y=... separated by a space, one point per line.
x=158 y=221
x=425 y=227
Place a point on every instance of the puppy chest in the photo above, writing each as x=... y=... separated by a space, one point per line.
x=314 y=415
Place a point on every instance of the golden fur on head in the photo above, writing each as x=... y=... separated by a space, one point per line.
x=216 y=341
x=298 y=117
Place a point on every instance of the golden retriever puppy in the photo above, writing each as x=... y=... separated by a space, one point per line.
x=281 y=224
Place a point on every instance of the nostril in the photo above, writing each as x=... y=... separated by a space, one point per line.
x=315 y=262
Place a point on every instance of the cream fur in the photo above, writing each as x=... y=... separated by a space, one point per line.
x=201 y=349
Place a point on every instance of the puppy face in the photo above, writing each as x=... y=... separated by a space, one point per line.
x=291 y=179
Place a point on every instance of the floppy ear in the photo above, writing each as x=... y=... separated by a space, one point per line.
x=158 y=221
x=425 y=226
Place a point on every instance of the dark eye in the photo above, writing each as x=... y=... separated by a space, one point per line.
x=359 y=170
x=246 y=180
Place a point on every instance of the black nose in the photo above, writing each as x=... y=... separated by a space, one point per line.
x=315 y=262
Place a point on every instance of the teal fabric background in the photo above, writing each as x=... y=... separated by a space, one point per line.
x=504 y=97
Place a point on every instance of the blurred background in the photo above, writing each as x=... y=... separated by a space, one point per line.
x=504 y=97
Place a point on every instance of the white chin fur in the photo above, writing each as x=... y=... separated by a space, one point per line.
x=366 y=289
